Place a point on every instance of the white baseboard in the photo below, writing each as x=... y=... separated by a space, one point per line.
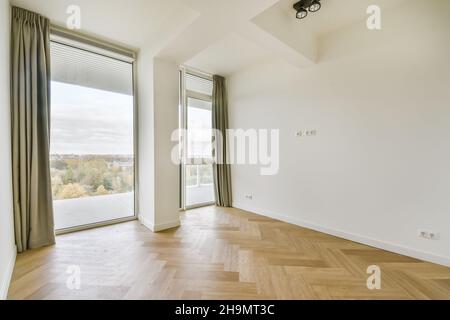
x=392 y=247
x=159 y=227
x=5 y=279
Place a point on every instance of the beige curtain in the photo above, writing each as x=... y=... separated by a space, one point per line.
x=221 y=168
x=30 y=125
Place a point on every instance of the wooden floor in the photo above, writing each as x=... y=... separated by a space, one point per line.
x=220 y=254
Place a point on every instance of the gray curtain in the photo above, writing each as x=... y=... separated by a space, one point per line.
x=30 y=125
x=221 y=168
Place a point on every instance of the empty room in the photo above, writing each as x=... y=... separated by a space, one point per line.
x=239 y=150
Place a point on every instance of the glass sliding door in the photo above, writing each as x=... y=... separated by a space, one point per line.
x=197 y=171
x=92 y=136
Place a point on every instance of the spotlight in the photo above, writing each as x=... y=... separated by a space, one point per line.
x=315 y=6
x=301 y=14
x=303 y=6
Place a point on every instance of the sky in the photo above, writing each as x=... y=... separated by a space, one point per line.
x=199 y=129
x=90 y=121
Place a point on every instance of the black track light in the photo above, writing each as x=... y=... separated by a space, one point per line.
x=303 y=6
x=301 y=14
x=315 y=6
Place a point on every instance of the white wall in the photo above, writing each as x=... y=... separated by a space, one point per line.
x=166 y=108
x=379 y=168
x=158 y=117
x=146 y=161
x=7 y=247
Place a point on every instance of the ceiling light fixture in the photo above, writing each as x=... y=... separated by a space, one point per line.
x=303 y=6
x=315 y=6
x=301 y=14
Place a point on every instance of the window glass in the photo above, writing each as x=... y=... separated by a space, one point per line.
x=92 y=140
x=199 y=129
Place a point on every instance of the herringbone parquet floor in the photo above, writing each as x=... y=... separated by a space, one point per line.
x=220 y=254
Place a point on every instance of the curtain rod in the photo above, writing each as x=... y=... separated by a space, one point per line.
x=89 y=40
x=197 y=72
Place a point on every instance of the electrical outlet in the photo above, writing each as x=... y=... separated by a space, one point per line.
x=306 y=133
x=429 y=235
x=435 y=236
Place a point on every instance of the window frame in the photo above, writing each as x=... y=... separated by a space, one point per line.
x=185 y=95
x=88 y=43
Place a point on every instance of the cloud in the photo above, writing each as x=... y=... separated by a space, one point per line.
x=90 y=121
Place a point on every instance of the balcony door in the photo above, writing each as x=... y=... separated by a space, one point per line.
x=197 y=171
x=92 y=135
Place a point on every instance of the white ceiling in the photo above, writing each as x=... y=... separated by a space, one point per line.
x=234 y=52
x=333 y=15
x=276 y=31
x=129 y=22
x=216 y=36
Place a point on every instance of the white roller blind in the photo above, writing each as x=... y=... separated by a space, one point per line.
x=199 y=84
x=84 y=68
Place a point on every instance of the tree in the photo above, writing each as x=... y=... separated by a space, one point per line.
x=68 y=176
x=59 y=164
x=72 y=191
x=108 y=183
x=101 y=191
x=56 y=184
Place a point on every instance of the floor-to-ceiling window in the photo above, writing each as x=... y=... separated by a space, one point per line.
x=92 y=134
x=197 y=173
